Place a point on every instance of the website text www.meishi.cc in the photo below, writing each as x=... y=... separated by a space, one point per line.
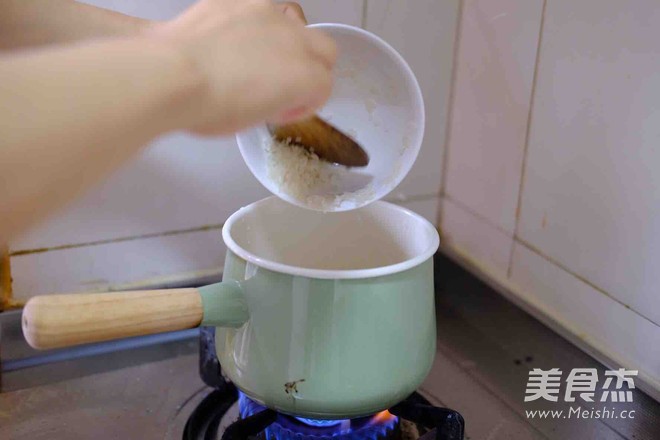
x=578 y=412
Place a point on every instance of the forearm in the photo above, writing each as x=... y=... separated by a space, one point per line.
x=72 y=115
x=26 y=23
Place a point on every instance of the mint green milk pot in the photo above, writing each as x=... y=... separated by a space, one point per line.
x=320 y=315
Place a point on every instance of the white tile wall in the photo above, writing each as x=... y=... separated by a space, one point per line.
x=580 y=244
x=333 y=11
x=592 y=185
x=423 y=32
x=427 y=207
x=475 y=238
x=492 y=90
x=614 y=331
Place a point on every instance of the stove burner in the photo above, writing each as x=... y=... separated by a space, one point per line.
x=286 y=427
x=419 y=420
x=413 y=419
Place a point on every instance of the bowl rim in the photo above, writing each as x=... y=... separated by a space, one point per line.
x=415 y=143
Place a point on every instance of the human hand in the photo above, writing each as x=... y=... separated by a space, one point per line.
x=257 y=62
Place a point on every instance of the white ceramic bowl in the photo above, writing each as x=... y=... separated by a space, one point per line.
x=376 y=100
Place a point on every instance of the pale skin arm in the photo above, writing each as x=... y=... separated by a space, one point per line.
x=72 y=114
x=25 y=23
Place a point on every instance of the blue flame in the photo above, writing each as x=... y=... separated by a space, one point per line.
x=318 y=422
x=300 y=428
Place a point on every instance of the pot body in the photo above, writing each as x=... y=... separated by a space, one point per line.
x=329 y=348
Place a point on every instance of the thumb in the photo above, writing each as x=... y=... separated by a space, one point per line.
x=293 y=11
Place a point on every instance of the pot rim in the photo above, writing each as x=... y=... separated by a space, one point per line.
x=343 y=274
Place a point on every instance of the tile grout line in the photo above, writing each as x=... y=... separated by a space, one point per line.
x=479 y=216
x=528 y=130
x=365 y=8
x=115 y=240
x=543 y=255
x=450 y=114
x=551 y=260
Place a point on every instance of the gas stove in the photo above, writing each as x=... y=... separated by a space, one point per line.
x=151 y=388
x=228 y=414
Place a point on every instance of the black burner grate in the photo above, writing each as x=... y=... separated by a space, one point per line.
x=443 y=423
x=285 y=427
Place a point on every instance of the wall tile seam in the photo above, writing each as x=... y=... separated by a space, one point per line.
x=528 y=129
x=451 y=100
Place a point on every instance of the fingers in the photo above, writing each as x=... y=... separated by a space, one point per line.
x=293 y=11
x=314 y=79
x=318 y=84
x=321 y=47
x=313 y=85
x=261 y=61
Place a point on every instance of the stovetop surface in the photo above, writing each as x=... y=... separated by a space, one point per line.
x=486 y=347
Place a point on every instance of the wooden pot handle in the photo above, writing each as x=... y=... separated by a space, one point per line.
x=54 y=321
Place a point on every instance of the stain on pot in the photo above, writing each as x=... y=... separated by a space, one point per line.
x=292 y=387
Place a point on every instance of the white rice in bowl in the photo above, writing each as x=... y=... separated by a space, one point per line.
x=314 y=183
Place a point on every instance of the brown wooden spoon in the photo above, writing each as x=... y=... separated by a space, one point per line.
x=322 y=139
